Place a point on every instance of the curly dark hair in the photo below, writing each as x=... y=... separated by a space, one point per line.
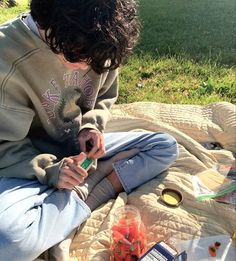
x=100 y=32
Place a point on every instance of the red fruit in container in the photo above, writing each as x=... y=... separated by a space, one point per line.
x=134 y=231
x=139 y=248
x=128 y=234
x=120 y=238
x=212 y=251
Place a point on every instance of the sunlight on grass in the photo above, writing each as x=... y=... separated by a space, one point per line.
x=175 y=80
x=186 y=54
x=9 y=13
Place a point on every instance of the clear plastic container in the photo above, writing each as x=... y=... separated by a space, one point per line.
x=128 y=234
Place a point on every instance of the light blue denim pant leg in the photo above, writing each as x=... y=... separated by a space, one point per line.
x=34 y=217
x=157 y=151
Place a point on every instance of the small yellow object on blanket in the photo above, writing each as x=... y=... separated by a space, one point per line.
x=171 y=197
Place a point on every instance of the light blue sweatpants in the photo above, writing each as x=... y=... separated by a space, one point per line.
x=34 y=217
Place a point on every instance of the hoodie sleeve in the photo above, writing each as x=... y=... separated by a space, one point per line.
x=18 y=157
x=107 y=96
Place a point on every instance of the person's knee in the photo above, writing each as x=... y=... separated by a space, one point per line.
x=166 y=146
x=164 y=153
x=172 y=148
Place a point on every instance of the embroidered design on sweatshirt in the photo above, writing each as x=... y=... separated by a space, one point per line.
x=50 y=100
x=84 y=85
x=68 y=109
x=76 y=98
x=65 y=105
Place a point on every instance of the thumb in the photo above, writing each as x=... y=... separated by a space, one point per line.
x=82 y=144
x=79 y=157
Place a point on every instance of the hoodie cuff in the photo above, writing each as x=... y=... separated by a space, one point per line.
x=52 y=174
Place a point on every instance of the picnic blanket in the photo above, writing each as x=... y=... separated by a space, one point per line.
x=190 y=125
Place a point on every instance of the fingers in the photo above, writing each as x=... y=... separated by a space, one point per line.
x=83 y=139
x=95 y=142
x=98 y=150
x=98 y=146
x=82 y=144
x=77 y=170
x=68 y=180
x=92 y=142
x=71 y=175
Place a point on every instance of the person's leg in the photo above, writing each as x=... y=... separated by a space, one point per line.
x=157 y=151
x=104 y=168
x=153 y=153
x=34 y=217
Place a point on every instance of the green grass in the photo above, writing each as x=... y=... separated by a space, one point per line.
x=197 y=29
x=186 y=53
x=175 y=80
x=9 y=13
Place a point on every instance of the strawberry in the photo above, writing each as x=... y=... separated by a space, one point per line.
x=119 y=238
x=212 y=251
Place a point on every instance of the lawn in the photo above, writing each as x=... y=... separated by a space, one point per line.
x=186 y=53
x=9 y=13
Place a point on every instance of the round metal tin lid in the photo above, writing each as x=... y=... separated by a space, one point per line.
x=171 y=197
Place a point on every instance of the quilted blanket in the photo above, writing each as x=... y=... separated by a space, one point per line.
x=190 y=125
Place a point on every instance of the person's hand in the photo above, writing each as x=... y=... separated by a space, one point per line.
x=71 y=174
x=92 y=143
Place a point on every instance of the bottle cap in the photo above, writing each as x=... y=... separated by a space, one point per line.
x=171 y=197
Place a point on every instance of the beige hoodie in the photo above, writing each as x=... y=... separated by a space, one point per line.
x=43 y=105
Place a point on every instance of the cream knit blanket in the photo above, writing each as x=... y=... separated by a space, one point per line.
x=190 y=125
